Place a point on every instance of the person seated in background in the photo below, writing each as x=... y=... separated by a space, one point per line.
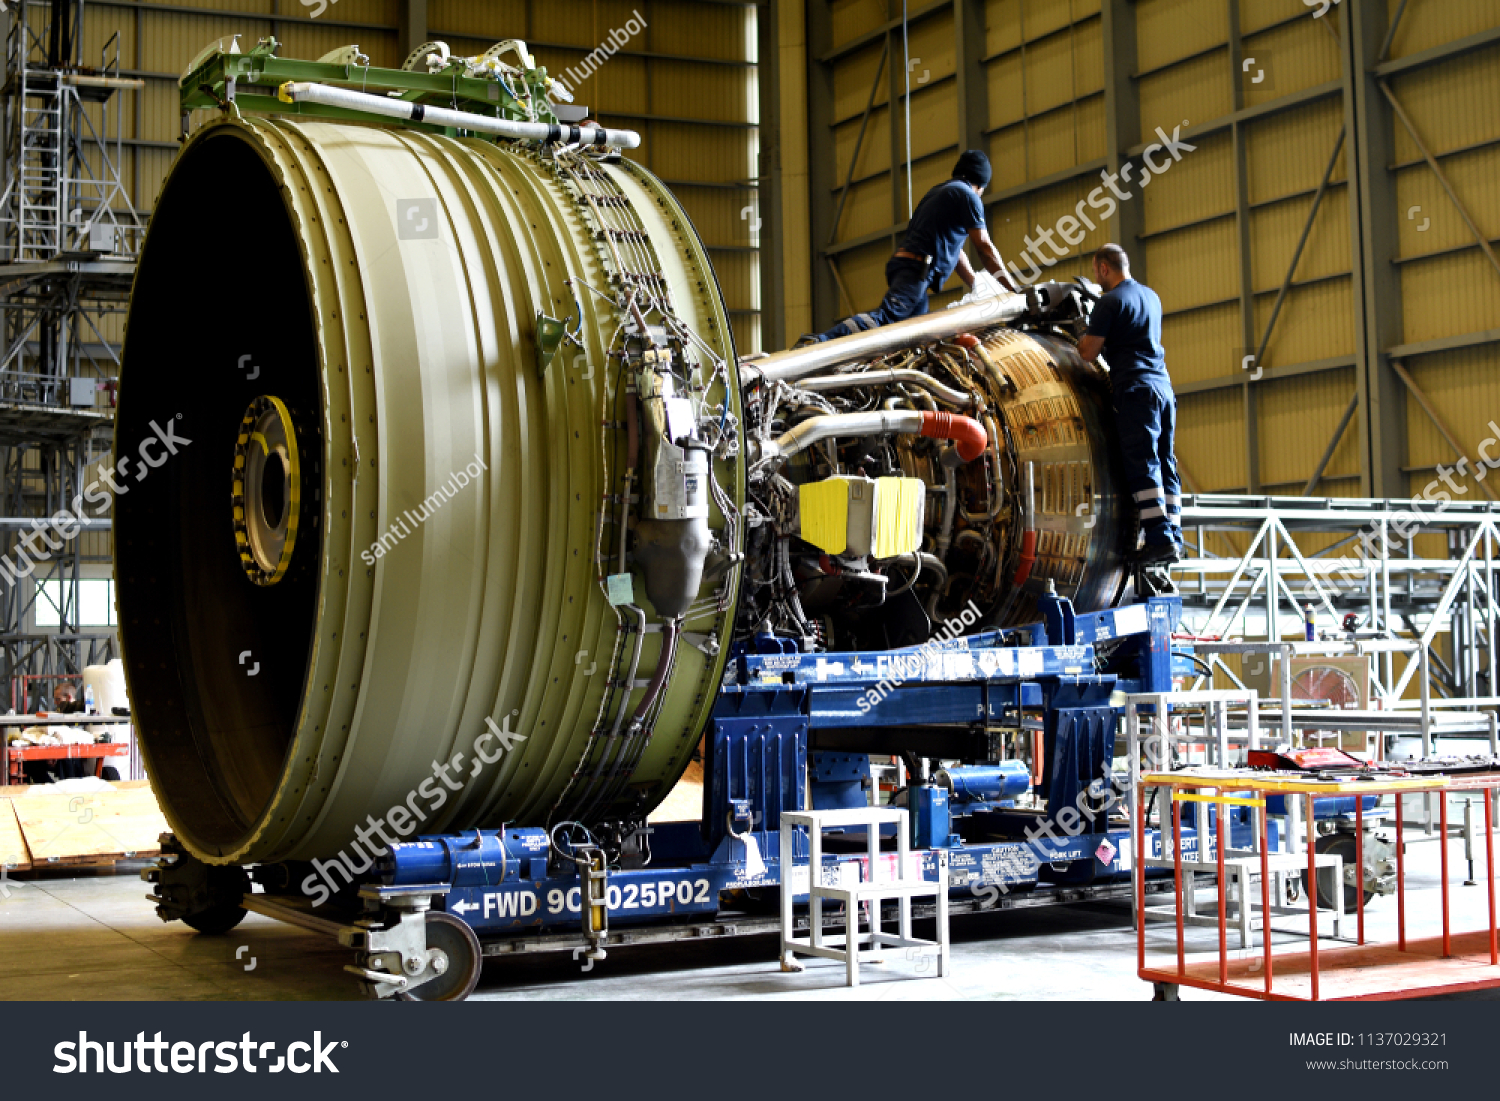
x=65 y=700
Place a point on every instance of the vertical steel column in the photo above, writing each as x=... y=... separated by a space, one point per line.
x=768 y=177
x=1246 y=279
x=137 y=133
x=1378 y=322
x=1273 y=591
x=1424 y=656
x=412 y=26
x=1122 y=118
x=972 y=92
x=895 y=75
x=1385 y=596
x=821 y=163
x=1471 y=635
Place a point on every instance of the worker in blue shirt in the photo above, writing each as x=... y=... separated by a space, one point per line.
x=1126 y=327
x=932 y=249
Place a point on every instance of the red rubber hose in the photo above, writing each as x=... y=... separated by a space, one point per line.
x=1028 y=557
x=967 y=433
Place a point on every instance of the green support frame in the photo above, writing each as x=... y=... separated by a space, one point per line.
x=251 y=82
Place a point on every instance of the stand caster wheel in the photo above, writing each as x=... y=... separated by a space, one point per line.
x=1165 y=992
x=462 y=957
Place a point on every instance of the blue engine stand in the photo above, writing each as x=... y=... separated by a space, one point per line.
x=779 y=713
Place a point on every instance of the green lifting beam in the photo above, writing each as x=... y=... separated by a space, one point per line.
x=248 y=82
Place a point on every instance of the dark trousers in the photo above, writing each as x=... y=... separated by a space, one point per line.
x=905 y=297
x=1147 y=415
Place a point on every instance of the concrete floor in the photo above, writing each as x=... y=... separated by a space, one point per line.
x=95 y=937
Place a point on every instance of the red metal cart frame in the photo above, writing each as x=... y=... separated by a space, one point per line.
x=95 y=751
x=1412 y=968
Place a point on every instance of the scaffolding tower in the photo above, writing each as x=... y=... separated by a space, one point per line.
x=69 y=238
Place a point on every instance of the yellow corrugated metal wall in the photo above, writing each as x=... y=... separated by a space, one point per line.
x=688 y=82
x=1259 y=88
x=1448 y=288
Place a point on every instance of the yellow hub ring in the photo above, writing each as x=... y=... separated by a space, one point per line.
x=267 y=490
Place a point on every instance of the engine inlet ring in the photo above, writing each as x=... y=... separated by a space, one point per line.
x=267 y=490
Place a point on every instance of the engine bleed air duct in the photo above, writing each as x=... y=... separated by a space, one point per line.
x=430 y=347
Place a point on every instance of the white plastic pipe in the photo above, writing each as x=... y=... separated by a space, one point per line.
x=349 y=100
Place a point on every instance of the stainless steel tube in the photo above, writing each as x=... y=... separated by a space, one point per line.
x=814 y=429
x=801 y=362
x=882 y=378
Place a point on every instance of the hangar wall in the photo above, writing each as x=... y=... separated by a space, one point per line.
x=688 y=82
x=1306 y=219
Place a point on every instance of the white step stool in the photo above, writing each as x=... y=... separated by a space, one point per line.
x=904 y=886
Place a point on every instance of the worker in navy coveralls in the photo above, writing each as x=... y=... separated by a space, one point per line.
x=1126 y=327
x=933 y=247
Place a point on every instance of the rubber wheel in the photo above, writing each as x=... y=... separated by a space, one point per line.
x=1165 y=992
x=1341 y=845
x=226 y=886
x=216 y=920
x=457 y=941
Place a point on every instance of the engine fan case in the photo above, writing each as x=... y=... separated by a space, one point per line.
x=385 y=286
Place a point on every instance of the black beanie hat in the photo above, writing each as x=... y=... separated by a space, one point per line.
x=973 y=167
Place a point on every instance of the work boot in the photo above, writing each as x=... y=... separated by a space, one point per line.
x=1159 y=554
x=805 y=339
x=1154 y=581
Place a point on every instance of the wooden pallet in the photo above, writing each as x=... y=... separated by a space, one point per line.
x=13 y=852
x=83 y=829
